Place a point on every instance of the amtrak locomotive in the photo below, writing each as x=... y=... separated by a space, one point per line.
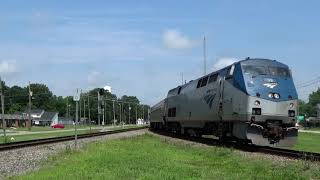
x=251 y=101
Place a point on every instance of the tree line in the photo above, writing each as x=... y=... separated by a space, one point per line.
x=309 y=108
x=16 y=100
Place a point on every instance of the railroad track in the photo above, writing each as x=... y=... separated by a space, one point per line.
x=20 y=144
x=248 y=147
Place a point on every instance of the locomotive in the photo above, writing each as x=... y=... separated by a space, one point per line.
x=251 y=101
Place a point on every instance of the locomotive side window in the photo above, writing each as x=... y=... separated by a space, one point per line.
x=213 y=78
x=179 y=90
x=230 y=72
x=199 y=83
x=204 y=81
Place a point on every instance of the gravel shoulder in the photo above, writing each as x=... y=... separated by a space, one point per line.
x=23 y=160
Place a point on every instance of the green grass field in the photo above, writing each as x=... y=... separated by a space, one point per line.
x=148 y=157
x=308 y=142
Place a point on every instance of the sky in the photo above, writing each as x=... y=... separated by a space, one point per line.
x=141 y=48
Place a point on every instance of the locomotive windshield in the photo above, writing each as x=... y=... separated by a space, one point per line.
x=279 y=71
x=262 y=70
x=254 y=70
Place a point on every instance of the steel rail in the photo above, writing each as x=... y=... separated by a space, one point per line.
x=35 y=142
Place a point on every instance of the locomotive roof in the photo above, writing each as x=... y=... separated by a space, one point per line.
x=263 y=62
x=248 y=61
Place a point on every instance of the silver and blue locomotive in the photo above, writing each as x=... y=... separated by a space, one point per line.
x=252 y=101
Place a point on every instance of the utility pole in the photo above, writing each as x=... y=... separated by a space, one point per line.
x=98 y=109
x=29 y=116
x=204 y=57
x=182 y=78
x=120 y=112
x=84 y=108
x=76 y=98
x=143 y=112
x=103 y=122
x=80 y=103
x=67 y=108
x=129 y=114
x=4 y=124
x=136 y=112
x=89 y=117
x=114 y=113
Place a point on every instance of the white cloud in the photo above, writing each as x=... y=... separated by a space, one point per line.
x=223 y=62
x=175 y=40
x=8 y=67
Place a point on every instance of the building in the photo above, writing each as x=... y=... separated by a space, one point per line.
x=42 y=118
x=14 y=120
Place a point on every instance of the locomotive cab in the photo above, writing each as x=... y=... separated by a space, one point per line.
x=271 y=103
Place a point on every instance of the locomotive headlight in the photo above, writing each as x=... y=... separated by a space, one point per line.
x=291 y=105
x=257 y=103
x=270 y=95
x=276 y=96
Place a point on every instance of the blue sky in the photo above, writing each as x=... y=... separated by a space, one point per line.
x=141 y=47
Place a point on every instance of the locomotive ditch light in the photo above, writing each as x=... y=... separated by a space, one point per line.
x=270 y=95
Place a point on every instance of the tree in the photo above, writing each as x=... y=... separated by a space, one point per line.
x=17 y=99
x=310 y=108
x=41 y=96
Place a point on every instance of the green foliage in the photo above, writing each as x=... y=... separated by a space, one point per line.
x=17 y=98
x=310 y=108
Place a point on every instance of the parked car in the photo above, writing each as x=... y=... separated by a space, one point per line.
x=61 y=126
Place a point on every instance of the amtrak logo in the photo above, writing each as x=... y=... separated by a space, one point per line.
x=270 y=83
x=209 y=97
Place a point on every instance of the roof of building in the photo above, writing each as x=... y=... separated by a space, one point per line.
x=47 y=116
x=34 y=111
x=14 y=116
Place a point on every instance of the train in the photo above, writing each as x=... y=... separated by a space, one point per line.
x=250 y=101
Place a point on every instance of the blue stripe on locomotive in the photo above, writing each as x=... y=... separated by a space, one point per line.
x=285 y=86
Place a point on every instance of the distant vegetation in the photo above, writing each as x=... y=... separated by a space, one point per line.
x=310 y=108
x=17 y=98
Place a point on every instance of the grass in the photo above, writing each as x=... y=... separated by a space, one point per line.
x=148 y=157
x=308 y=142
